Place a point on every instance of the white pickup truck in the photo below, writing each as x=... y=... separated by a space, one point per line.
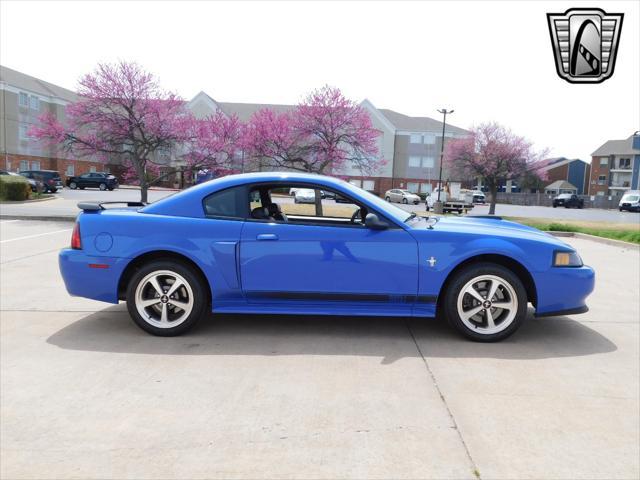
x=453 y=198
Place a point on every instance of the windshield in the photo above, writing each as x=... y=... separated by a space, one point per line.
x=564 y=195
x=388 y=209
x=630 y=198
x=407 y=192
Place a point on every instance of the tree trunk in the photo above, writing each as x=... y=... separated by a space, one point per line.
x=493 y=188
x=144 y=189
x=318 y=196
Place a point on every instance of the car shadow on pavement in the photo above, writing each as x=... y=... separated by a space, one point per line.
x=391 y=338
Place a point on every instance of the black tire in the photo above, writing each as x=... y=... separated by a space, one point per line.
x=405 y=201
x=73 y=185
x=81 y=188
x=388 y=199
x=427 y=206
x=554 y=205
x=198 y=288
x=620 y=208
x=111 y=189
x=450 y=299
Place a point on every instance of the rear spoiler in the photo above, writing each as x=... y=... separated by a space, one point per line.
x=97 y=206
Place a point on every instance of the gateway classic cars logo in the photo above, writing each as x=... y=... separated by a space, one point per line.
x=585 y=43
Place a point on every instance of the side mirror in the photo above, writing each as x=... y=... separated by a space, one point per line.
x=374 y=223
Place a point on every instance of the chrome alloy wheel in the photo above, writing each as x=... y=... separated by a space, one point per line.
x=487 y=304
x=164 y=299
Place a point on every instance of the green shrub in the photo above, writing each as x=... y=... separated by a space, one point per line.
x=14 y=188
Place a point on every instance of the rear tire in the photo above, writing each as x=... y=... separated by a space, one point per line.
x=103 y=186
x=73 y=185
x=469 y=311
x=388 y=199
x=405 y=201
x=172 y=310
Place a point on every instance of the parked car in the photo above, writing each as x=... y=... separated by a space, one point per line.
x=568 y=200
x=478 y=197
x=51 y=181
x=401 y=196
x=101 y=180
x=32 y=183
x=630 y=201
x=304 y=195
x=206 y=249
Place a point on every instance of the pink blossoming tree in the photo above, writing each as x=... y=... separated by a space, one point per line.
x=323 y=134
x=492 y=152
x=122 y=113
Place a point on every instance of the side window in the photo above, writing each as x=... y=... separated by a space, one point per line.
x=229 y=203
x=333 y=205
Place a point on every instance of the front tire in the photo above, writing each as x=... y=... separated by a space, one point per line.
x=73 y=185
x=485 y=302
x=166 y=298
x=388 y=199
x=103 y=186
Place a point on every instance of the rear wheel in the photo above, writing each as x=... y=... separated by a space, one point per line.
x=405 y=201
x=486 y=302
x=73 y=185
x=387 y=199
x=166 y=298
x=103 y=186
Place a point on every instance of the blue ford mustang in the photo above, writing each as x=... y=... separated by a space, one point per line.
x=239 y=244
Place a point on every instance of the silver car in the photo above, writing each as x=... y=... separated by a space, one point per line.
x=401 y=196
x=304 y=195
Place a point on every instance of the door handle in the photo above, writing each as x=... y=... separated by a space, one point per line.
x=267 y=236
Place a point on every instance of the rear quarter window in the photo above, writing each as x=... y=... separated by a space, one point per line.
x=229 y=203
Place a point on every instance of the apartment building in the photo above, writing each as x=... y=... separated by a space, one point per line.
x=615 y=167
x=23 y=99
x=409 y=146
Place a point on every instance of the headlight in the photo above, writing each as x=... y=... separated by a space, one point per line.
x=567 y=259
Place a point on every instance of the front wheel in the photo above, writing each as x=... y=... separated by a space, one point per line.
x=166 y=298
x=387 y=199
x=103 y=186
x=485 y=302
x=405 y=201
x=73 y=185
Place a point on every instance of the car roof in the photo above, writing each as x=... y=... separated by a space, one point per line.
x=183 y=202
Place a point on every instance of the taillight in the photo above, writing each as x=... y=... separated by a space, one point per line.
x=76 y=242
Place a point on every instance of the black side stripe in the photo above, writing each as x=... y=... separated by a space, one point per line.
x=343 y=297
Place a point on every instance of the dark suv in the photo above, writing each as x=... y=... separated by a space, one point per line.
x=568 y=200
x=101 y=180
x=51 y=181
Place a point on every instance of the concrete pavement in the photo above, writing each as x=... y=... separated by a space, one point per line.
x=86 y=394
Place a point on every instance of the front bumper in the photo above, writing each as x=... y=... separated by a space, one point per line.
x=91 y=276
x=563 y=290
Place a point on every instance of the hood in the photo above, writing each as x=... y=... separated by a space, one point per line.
x=491 y=226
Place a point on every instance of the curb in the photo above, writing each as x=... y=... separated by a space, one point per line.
x=607 y=241
x=48 y=218
x=22 y=202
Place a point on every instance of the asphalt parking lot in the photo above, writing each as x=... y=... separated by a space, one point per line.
x=66 y=200
x=86 y=394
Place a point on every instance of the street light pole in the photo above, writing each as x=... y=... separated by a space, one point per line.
x=437 y=208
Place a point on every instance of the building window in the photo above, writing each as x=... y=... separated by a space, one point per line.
x=602 y=179
x=624 y=163
x=23 y=100
x=369 y=185
x=71 y=171
x=414 y=162
x=604 y=161
x=92 y=169
x=24 y=165
x=413 y=187
x=425 y=188
x=24 y=131
x=600 y=194
x=429 y=138
x=427 y=162
x=415 y=138
x=355 y=182
x=35 y=165
x=34 y=102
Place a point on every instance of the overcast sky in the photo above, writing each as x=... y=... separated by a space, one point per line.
x=487 y=60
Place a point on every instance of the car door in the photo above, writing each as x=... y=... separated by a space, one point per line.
x=337 y=269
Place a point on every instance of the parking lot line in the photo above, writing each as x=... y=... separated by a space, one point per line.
x=36 y=235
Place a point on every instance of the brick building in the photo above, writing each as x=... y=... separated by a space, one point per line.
x=615 y=167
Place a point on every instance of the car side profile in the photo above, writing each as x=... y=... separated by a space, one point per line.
x=101 y=180
x=227 y=246
x=568 y=200
x=397 y=195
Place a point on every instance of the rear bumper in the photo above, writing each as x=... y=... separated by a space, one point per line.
x=91 y=276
